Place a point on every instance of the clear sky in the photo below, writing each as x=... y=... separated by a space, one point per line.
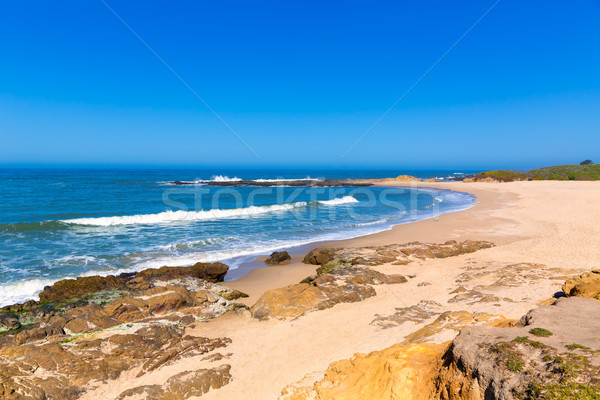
x=300 y=82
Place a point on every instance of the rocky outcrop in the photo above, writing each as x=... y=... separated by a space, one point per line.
x=182 y=386
x=585 y=285
x=79 y=288
x=278 y=258
x=61 y=350
x=400 y=254
x=552 y=353
x=398 y=372
x=549 y=356
x=73 y=365
x=339 y=285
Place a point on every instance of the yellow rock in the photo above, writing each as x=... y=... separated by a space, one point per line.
x=400 y=372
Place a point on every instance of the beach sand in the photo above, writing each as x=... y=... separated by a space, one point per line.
x=543 y=231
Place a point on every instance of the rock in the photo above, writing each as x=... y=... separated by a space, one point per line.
x=586 y=285
x=182 y=386
x=290 y=301
x=212 y=272
x=318 y=257
x=106 y=288
x=551 y=354
x=343 y=285
x=278 y=258
x=398 y=372
x=72 y=367
x=8 y=322
x=396 y=254
x=77 y=288
x=512 y=363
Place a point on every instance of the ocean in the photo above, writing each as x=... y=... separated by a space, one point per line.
x=64 y=223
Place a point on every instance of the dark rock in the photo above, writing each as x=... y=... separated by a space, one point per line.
x=67 y=289
x=318 y=257
x=212 y=272
x=278 y=258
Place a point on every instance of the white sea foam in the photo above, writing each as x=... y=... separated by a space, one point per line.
x=20 y=291
x=222 y=178
x=339 y=201
x=176 y=216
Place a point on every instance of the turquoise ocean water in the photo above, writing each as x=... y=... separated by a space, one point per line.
x=59 y=223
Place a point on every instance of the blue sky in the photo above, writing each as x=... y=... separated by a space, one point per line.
x=300 y=82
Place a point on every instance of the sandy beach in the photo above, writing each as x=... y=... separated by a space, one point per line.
x=543 y=233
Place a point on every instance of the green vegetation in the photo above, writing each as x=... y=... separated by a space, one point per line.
x=332 y=265
x=583 y=172
x=540 y=332
x=577 y=346
x=568 y=391
x=510 y=358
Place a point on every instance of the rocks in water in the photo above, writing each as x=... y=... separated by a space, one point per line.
x=342 y=285
x=585 y=285
x=398 y=372
x=399 y=254
x=68 y=289
x=77 y=288
x=278 y=258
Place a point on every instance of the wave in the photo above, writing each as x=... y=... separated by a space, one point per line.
x=20 y=291
x=222 y=178
x=339 y=201
x=177 y=216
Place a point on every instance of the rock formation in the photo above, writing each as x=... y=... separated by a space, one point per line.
x=551 y=354
x=339 y=285
x=585 y=285
x=102 y=327
x=278 y=258
x=400 y=254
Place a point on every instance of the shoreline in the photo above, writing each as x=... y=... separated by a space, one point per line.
x=262 y=277
x=247 y=263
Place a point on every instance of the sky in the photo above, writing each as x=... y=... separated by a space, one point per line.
x=297 y=84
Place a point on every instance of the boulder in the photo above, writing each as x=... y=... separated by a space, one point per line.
x=319 y=256
x=289 y=301
x=278 y=258
x=212 y=272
